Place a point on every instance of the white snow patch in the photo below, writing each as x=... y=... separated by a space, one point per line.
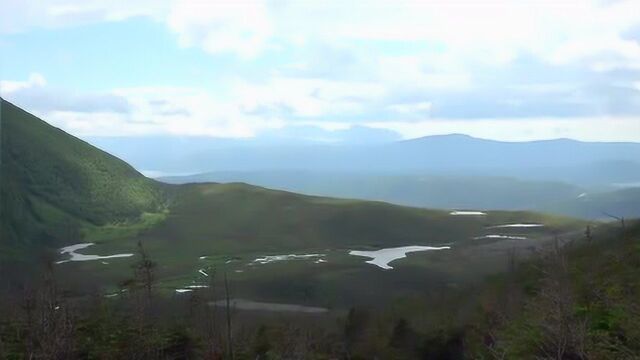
x=506 y=237
x=381 y=258
x=71 y=250
x=530 y=225
x=467 y=213
x=274 y=258
x=201 y=271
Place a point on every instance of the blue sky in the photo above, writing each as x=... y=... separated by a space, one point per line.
x=327 y=71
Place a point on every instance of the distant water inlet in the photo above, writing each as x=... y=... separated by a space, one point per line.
x=74 y=256
x=381 y=258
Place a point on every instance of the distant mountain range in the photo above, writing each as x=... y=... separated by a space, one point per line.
x=574 y=162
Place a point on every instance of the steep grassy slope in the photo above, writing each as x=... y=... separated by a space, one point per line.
x=52 y=183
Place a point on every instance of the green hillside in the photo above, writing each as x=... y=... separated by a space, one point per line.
x=52 y=184
x=420 y=190
x=243 y=217
x=226 y=227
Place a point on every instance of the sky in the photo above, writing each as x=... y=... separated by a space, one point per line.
x=327 y=71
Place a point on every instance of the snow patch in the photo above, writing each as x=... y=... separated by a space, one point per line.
x=381 y=258
x=505 y=237
x=467 y=213
x=275 y=258
x=71 y=251
x=530 y=225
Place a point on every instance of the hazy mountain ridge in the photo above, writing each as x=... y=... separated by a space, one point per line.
x=575 y=162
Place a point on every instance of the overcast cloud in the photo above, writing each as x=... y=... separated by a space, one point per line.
x=507 y=70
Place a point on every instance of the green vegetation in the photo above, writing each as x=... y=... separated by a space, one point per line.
x=123 y=229
x=241 y=223
x=232 y=218
x=53 y=184
x=577 y=302
x=420 y=190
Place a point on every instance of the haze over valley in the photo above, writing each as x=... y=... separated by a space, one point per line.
x=319 y=180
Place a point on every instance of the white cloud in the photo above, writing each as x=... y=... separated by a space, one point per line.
x=307 y=97
x=205 y=114
x=34 y=80
x=37 y=96
x=411 y=108
x=192 y=111
x=484 y=31
x=241 y=27
x=151 y=110
x=19 y=15
x=487 y=31
x=334 y=63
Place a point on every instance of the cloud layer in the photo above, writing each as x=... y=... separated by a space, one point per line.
x=509 y=70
